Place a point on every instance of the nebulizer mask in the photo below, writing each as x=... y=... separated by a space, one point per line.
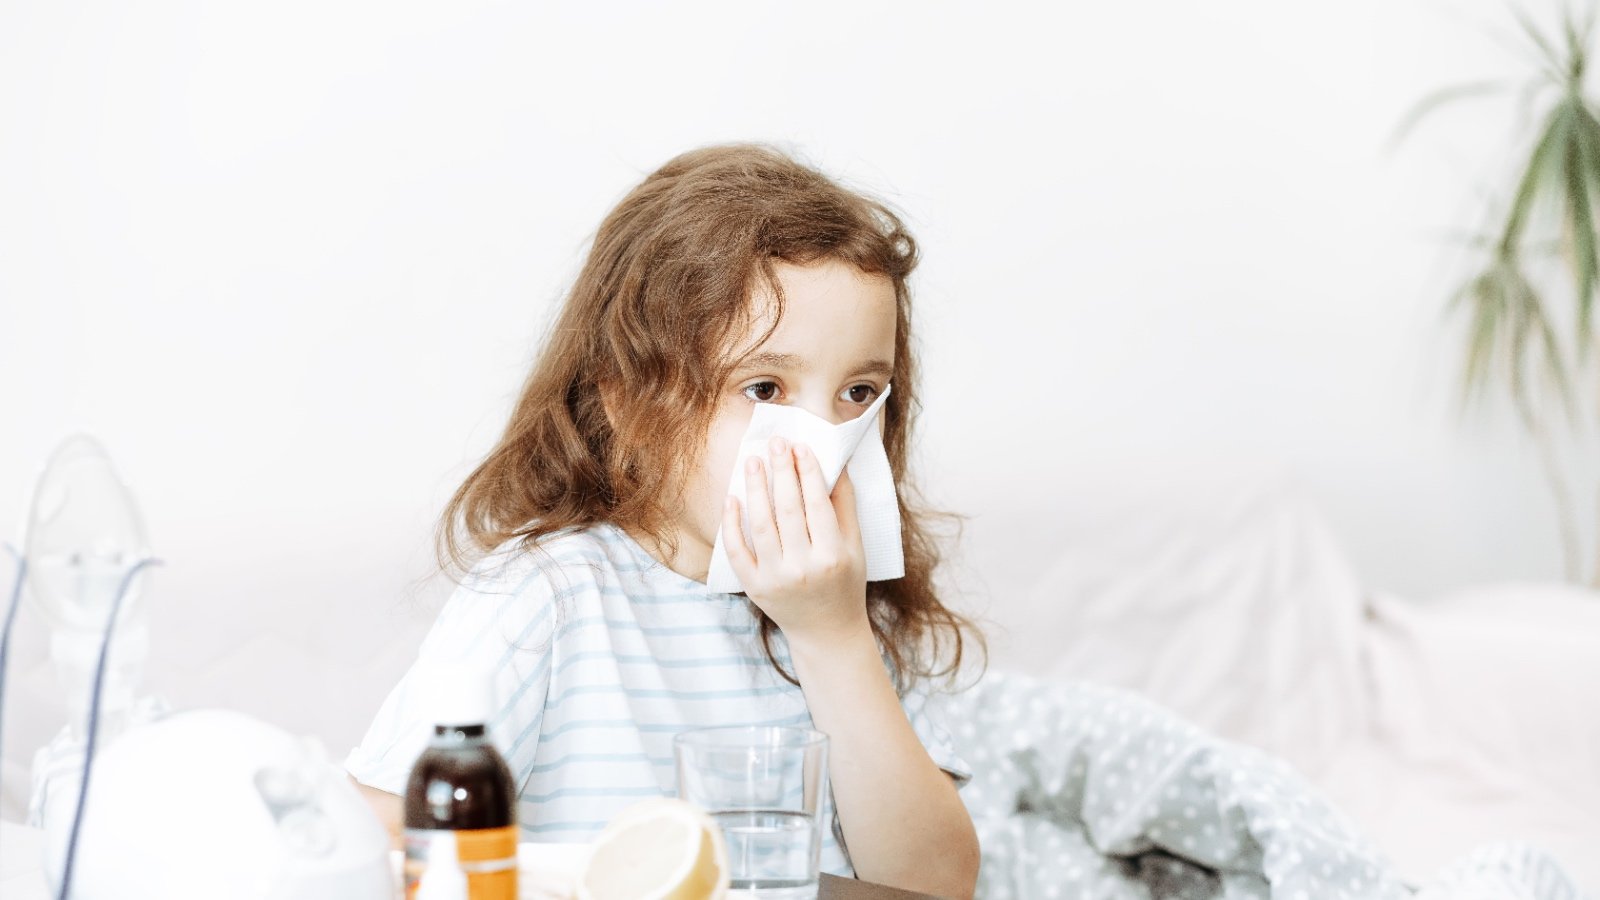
x=138 y=803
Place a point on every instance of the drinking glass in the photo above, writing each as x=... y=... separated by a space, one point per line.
x=767 y=787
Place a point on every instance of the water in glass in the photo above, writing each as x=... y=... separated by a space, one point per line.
x=772 y=853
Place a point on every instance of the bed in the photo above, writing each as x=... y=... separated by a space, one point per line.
x=1437 y=725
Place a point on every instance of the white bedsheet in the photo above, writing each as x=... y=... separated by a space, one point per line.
x=1438 y=726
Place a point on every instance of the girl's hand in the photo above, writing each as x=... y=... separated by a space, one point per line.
x=807 y=570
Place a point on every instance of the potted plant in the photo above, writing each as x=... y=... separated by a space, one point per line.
x=1528 y=306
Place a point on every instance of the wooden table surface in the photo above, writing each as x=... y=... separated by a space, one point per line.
x=22 y=876
x=832 y=887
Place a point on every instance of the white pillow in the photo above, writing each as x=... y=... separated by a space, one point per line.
x=1223 y=597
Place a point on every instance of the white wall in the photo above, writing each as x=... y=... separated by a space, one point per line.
x=288 y=261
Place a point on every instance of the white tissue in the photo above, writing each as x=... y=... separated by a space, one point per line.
x=855 y=446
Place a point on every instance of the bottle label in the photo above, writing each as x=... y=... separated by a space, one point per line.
x=487 y=855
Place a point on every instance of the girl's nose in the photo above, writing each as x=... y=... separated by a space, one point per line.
x=824 y=409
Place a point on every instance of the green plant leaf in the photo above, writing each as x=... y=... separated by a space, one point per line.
x=1577 y=35
x=1554 y=360
x=1544 y=167
x=1484 y=297
x=1583 y=185
x=1512 y=338
x=1532 y=347
x=1510 y=332
x=1439 y=99
x=1521 y=324
x=1550 y=60
x=1508 y=327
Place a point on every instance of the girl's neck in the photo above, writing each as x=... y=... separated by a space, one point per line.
x=692 y=560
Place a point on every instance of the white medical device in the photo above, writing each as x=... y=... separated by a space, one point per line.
x=201 y=804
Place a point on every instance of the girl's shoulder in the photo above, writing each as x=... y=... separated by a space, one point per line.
x=522 y=589
x=565 y=562
x=530 y=590
x=520 y=564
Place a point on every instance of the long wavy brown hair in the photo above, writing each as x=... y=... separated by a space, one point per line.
x=665 y=290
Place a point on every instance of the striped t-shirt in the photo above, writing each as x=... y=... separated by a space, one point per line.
x=602 y=654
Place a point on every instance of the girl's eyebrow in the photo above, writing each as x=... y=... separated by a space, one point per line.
x=782 y=361
x=792 y=362
x=878 y=367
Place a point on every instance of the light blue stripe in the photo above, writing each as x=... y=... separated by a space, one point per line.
x=586 y=723
x=612 y=598
x=516 y=745
x=652 y=791
x=705 y=662
x=638 y=659
x=668 y=599
x=669 y=694
x=580 y=690
x=538 y=718
x=608 y=540
x=572 y=625
x=829 y=842
x=599 y=758
x=795 y=719
x=517 y=594
x=540 y=672
x=532 y=729
x=694 y=595
x=522 y=639
x=664 y=694
x=564 y=826
x=543 y=569
x=661 y=630
x=653 y=728
x=585 y=656
x=539 y=564
x=614 y=538
x=682 y=630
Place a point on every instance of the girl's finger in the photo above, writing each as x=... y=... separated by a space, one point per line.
x=820 y=516
x=844 y=504
x=739 y=555
x=763 y=531
x=787 y=507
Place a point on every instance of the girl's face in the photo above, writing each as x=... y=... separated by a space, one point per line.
x=831 y=354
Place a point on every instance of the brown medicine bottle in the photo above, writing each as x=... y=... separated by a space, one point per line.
x=460 y=784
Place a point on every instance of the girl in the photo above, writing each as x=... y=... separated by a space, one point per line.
x=730 y=277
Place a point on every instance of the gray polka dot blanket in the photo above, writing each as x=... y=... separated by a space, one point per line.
x=1084 y=791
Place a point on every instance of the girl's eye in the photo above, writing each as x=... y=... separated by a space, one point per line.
x=762 y=391
x=863 y=394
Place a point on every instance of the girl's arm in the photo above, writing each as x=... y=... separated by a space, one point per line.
x=903 y=822
x=386 y=807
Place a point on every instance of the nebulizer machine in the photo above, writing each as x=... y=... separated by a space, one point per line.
x=138 y=803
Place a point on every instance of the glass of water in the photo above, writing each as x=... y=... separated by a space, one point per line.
x=768 y=789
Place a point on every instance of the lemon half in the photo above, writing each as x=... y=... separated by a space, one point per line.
x=660 y=849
